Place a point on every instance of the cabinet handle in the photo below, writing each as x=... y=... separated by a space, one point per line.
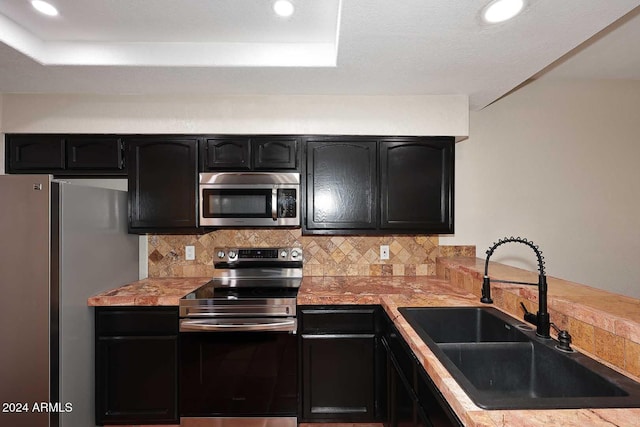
x=122 y=154
x=240 y=325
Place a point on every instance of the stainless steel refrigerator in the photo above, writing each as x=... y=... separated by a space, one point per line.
x=60 y=243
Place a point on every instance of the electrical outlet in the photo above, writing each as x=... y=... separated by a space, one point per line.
x=189 y=253
x=384 y=251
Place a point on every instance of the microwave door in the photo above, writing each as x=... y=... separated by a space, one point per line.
x=249 y=199
x=237 y=206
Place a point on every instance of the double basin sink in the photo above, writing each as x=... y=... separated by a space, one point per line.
x=501 y=364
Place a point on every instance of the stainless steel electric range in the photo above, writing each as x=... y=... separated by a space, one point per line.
x=238 y=348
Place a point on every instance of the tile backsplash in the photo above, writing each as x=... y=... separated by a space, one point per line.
x=323 y=255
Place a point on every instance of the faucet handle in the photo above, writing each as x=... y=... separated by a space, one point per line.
x=529 y=316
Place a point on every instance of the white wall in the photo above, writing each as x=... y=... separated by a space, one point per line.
x=557 y=162
x=384 y=115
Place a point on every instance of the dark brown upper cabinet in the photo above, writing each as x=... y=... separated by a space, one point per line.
x=163 y=184
x=274 y=153
x=35 y=153
x=95 y=152
x=379 y=185
x=226 y=154
x=243 y=153
x=342 y=190
x=62 y=154
x=416 y=184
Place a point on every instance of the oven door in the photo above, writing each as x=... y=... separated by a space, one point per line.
x=238 y=374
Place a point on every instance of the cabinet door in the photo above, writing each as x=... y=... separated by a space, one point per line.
x=136 y=365
x=136 y=380
x=341 y=185
x=416 y=185
x=163 y=183
x=95 y=152
x=37 y=153
x=338 y=377
x=413 y=399
x=402 y=408
x=274 y=153
x=226 y=154
x=432 y=404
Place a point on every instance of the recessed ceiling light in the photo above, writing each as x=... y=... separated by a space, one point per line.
x=283 y=8
x=44 y=7
x=502 y=10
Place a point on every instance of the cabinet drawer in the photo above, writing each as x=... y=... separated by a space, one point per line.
x=129 y=321
x=319 y=320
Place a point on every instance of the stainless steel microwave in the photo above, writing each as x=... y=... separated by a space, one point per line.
x=249 y=199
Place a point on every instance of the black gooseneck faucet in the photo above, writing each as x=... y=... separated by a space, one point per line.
x=541 y=319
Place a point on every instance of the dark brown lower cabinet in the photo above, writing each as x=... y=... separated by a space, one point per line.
x=412 y=398
x=136 y=365
x=338 y=377
x=341 y=371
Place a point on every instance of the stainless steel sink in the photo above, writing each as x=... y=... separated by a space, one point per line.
x=501 y=363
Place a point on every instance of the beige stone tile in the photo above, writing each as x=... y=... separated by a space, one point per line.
x=422 y=270
x=375 y=269
x=410 y=270
x=398 y=269
x=363 y=270
x=582 y=334
x=386 y=270
x=316 y=270
x=632 y=357
x=395 y=247
x=609 y=347
x=346 y=247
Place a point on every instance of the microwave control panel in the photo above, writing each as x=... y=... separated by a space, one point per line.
x=287 y=203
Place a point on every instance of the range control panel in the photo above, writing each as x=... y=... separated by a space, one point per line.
x=258 y=254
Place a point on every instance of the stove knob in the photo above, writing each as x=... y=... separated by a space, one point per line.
x=221 y=254
x=295 y=254
x=283 y=254
x=232 y=254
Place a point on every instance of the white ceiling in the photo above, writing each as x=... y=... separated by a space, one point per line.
x=359 y=47
x=614 y=53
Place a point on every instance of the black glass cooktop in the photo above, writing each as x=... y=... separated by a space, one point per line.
x=210 y=290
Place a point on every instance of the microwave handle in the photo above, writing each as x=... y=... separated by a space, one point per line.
x=274 y=204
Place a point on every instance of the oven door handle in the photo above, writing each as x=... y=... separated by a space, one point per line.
x=238 y=325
